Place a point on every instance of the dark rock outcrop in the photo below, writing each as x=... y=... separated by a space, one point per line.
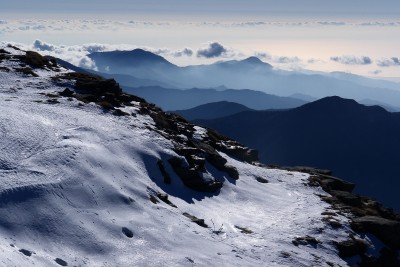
x=192 y=178
x=388 y=231
x=351 y=247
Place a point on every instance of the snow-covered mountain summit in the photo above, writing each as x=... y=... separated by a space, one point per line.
x=91 y=176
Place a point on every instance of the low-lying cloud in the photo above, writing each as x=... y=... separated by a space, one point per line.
x=352 y=60
x=185 y=52
x=389 y=62
x=213 y=50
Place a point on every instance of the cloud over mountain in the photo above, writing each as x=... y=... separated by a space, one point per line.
x=214 y=49
x=352 y=60
x=185 y=52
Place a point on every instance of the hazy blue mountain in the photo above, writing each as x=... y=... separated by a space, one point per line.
x=137 y=63
x=304 y=97
x=175 y=99
x=124 y=79
x=212 y=110
x=355 y=141
x=365 y=81
x=249 y=73
x=120 y=61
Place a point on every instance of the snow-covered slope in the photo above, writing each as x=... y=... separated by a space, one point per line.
x=79 y=187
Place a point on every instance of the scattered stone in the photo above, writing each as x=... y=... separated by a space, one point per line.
x=196 y=220
x=127 y=232
x=25 y=252
x=164 y=198
x=61 y=262
x=190 y=260
x=154 y=199
x=285 y=254
x=262 y=180
x=244 y=230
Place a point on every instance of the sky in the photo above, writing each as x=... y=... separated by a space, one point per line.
x=358 y=36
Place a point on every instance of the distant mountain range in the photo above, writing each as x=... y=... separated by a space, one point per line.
x=355 y=141
x=212 y=110
x=176 y=99
x=250 y=73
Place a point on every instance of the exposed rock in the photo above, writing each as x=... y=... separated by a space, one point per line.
x=164 y=198
x=191 y=177
x=27 y=71
x=351 y=247
x=329 y=183
x=347 y=198
x=388 y=231
x=118 y=112
x=304 y=169
x=67 y=93
x=127 y=232
x=231 y=147
x=61 y=262
x=262 y=180
x=165 y=174
x=196 y=220
x=306 y=240
x=244 y=230
x=35 y=60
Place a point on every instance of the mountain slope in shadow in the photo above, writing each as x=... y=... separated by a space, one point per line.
x=355 y=141
x=212 y=110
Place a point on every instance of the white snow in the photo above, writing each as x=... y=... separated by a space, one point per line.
x=199 y=133
x=72 y=176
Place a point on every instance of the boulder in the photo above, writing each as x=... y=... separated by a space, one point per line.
x=388 y=231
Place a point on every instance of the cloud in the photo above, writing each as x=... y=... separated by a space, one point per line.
x=352 y=60
x=394 y=61
x=278 y=59
x=78 y=54
x=380 y=24
x=286 y=60
x=332 y=23
x=249 y=24
x=375 y=72
x=42 y=46
x=213 y=50
x=3 y=21
x=262 y=55
x=171 y=53
x=185 y=52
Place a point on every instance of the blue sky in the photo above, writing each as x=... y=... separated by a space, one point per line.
x=358 y=36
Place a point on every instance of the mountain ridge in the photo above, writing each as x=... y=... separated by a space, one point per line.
x=355 y=141
x=94 y=176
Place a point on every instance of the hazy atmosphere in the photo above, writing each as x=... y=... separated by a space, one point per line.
x=360 y=37
x=200 y=133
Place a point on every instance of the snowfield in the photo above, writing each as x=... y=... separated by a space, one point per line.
x=77 y=182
